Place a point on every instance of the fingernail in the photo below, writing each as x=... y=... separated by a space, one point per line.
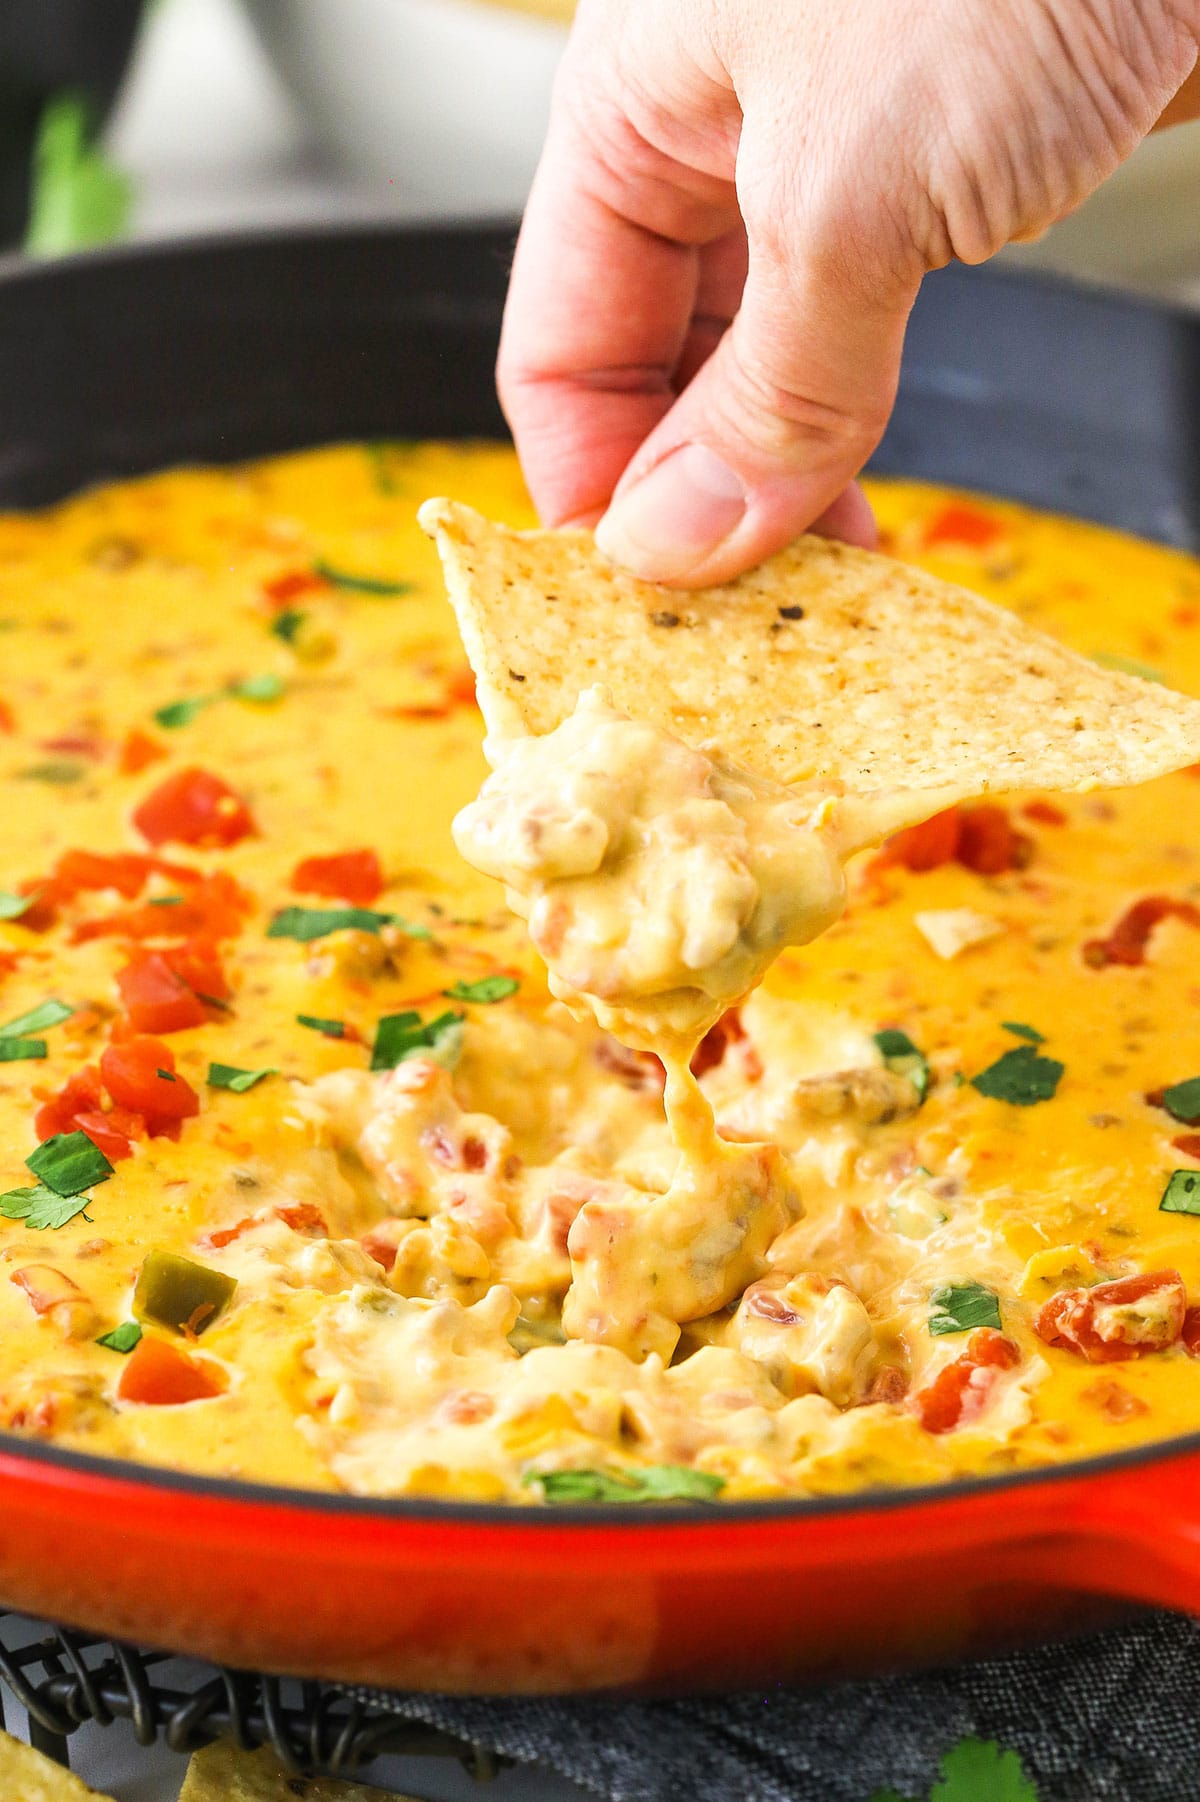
x=674 y=517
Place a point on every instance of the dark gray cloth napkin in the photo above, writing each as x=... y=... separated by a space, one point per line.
x=1113 y=1718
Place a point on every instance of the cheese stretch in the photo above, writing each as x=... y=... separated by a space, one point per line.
x=376 y=1211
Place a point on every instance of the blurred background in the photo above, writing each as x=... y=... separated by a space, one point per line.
x=159 y=118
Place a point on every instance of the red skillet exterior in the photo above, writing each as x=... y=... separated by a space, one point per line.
x=455 y=1599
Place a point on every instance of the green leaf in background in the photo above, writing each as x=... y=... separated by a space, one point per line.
x=268 y=687
x=975 y=1770
x=13 y=906
x=14 y=1051
x=78 y=197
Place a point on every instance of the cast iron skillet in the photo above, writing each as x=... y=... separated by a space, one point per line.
x=119 y=363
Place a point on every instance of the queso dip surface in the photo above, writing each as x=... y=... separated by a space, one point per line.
x=236 y=727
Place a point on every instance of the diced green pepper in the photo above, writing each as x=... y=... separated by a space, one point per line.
x=174 y=1292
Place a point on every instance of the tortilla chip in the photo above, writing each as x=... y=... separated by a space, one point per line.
x=224 y=1773
x=28 y=1776
x=826 y=663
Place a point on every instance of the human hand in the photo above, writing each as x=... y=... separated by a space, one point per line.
x=734 y=210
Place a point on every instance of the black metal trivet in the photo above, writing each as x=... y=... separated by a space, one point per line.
x=64 y=1679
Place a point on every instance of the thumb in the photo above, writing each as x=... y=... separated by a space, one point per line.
x=771 y=430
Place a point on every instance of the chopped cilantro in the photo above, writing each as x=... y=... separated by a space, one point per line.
x=401 y=1036
x=902 y=1058
x=1020 y=1076
x=41 y=1208
x=1024 y=1032
x=46 y=1014
x=13 y=906
x=123 y=1338
x=287 y=624
x=1128 y=666
x=960 y=1307
x=976 y=1770
x=13 y=1051
x=68 y=1163
x=58 y=771
x=167 y=1075
x=642 y=1483
x=1182 y=1100
x=1182 y=1193
x=166 y=900
x=267 y=687
x=228 y=1076
x=333 y=1029
x=308 y=923
x=182 y=713
x=486 y=990
x=343 y=578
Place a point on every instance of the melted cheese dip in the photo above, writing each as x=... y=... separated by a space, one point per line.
x=483 y=1263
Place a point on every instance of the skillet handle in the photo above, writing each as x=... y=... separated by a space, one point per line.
x=1136 y=1533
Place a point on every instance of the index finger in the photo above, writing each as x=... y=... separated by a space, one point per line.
x=603 y=287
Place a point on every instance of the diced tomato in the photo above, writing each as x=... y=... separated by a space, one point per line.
x=982 y=839
x=161 y=1375
x=113 y=1132
x=960 y=524
x=1127 y=942
x=75 y=744
x=1122 y=1319
x=78 y=1107
x=283 y=589
x=958 y=1392
x=1190 y=1336
x=46 y=1287
x=304 y=1218
x=927 y=846
x=460 y=686
x=1188 y=1144
x=7 y=719
x=213 y=907
x=193 y=807
x=138 y=751
x=172 y=989
x=712 y=1048
x=133 y=1073
x=124 y=871
x=347 y=875
x=458 y=690
x=1045 y=813
x=988 y=843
